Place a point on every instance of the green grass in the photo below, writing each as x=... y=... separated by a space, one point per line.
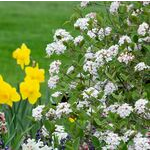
x=31 y=23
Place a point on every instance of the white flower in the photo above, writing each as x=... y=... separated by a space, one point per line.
x=70 y=69
x=82 y=23
x=53 y=81
x=101 y=34
x=114 y=7
x=84 y=4
x=30 y=145
x=88 y=55
x=108 y=31
x=33 y=145
x=124 y=110
x=45 y=133
x=112 y=140
x=91 y=34
x=90 y=92
x=60 y=133
x=105 y=55
x=145 y=39
x=54 y=67
x=55 y=47
x=140 y=105
x=82 y=104
x=63 y=35
x=141 y=66
x=37 y=112
x=124 y=39
x=125 y=57
x=51 y=113
x=90 y=111
x=110 y=88
x=146 y=3
x=56 y=94
x=91 y=15
x=73 y=85
x=127 y=135
x=143 y=28
x=113 y=108
x=141 y=143
x=78 y=40
x=63 y=108
x=90 y=67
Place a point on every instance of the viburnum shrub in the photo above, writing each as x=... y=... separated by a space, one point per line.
x=99 y=83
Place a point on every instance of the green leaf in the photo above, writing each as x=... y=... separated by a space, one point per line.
x=76 y=144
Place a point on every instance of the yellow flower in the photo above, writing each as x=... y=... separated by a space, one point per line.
x=72 y=119
x=30 y=89
x=22 y=55
x=8 y=94
x=34 y=73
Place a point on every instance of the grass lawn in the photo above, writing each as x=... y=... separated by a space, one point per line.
x=31 y=23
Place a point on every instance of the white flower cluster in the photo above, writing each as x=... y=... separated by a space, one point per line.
x=91 y=67
x=141 y=66
x=143 y=29
x=82 y=23
x=60 y=133
x=140 y=106
x=53 y=81
x=124 y=110
x=78 y=40
x=146 y=3
x=90 y=92
x=44 y=131
x=124 y=39
x=91 y=15
x=110 y=88
x=114 y=7
x=112 y=140
x=92 y=33
x=53 y=71
x=84 y=4
x=125 y=57
x=82 y=104
x=37 y=112
x=141 y=143
x=104 y=55
x=62 y=35
x=33 y=145
x=54 y=67
x=50 y=114
x=56 y=94
x=55 y=47
x=62 y=108
x=100 y=57
x=127 y=135
x=104 y=32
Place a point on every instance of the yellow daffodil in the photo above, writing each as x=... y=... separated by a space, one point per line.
x=22 y=55
x=72 y=119
x=34 y=73
x=8 y=94
x=30 y=89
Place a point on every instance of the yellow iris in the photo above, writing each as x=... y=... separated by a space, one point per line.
x=8 y=94
x=34 y=73
x=30 y=89
x=22 y=55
